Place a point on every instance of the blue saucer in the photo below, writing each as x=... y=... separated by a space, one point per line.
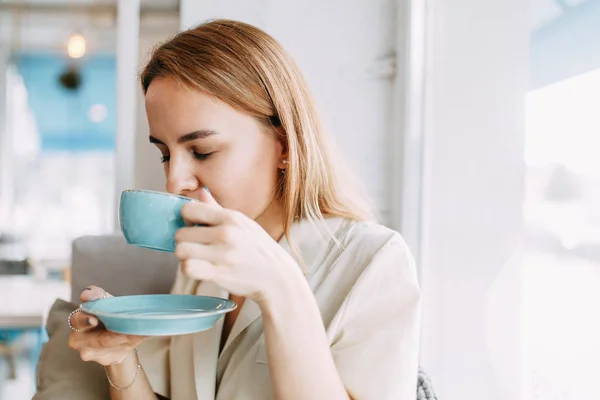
x=158 y=314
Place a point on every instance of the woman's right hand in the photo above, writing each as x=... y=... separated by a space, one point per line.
x=96 y=343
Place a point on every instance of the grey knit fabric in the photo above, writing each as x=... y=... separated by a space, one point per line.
x=424 y=387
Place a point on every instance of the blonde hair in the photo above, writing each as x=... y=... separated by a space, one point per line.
x=247 y=69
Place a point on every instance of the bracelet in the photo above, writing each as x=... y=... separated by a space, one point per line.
x=137 y=372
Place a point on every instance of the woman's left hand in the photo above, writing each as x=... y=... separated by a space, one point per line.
x=232 y=251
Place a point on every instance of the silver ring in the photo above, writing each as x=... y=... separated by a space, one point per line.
x=71 y=325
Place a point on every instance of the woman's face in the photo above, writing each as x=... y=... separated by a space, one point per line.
x=205 y=142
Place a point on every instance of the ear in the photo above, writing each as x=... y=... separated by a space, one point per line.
x=283 y=149
x=283 y=161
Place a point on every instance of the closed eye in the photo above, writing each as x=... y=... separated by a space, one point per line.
x=202 y=156
x=197 y=156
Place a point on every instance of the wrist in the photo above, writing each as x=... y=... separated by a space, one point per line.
x=124 y=374
x=128 y=360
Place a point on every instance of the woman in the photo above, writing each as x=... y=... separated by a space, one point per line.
x=328 y=302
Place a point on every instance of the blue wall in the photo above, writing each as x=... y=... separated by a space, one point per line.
x=62 y=115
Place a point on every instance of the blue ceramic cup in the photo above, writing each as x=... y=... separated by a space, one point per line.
x=150 y=219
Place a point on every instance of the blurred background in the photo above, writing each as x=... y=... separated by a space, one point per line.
x=474 y=126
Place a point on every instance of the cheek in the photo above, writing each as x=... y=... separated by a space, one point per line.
x=245 y=181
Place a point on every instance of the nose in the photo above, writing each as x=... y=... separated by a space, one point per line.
x=181 y=179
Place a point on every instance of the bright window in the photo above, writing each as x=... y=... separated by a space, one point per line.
x=561 y=285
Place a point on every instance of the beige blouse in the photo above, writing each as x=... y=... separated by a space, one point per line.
x=366 y=287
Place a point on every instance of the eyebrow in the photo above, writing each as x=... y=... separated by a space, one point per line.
x=188 y=137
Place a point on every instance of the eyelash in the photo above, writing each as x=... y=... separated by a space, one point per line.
x=197 y=156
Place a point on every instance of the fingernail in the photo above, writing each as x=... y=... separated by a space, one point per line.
x=88 y=321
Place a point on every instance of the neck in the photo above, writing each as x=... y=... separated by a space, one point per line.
x=271 y=220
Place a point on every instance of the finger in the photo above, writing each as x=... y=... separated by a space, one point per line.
x=191 y=250
x=114 y=341
x=205 y=234
x=88 y=353
x=93 y=293
x=91 y=354
x=104 y=341
x=206 y=197
x=195 y=212
x=82 y=320
x=85 y=340
x=199 y=270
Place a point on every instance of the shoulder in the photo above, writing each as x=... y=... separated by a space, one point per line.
x=382 y=281
x=371 y=282
x=388 y=260
x=340 y=240
x=346 y=234
x=374 y=246
x=376 y=323
x=370 y=235
x=364 y=258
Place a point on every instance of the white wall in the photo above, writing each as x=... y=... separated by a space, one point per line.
x=475 y=79
x=346 y=50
